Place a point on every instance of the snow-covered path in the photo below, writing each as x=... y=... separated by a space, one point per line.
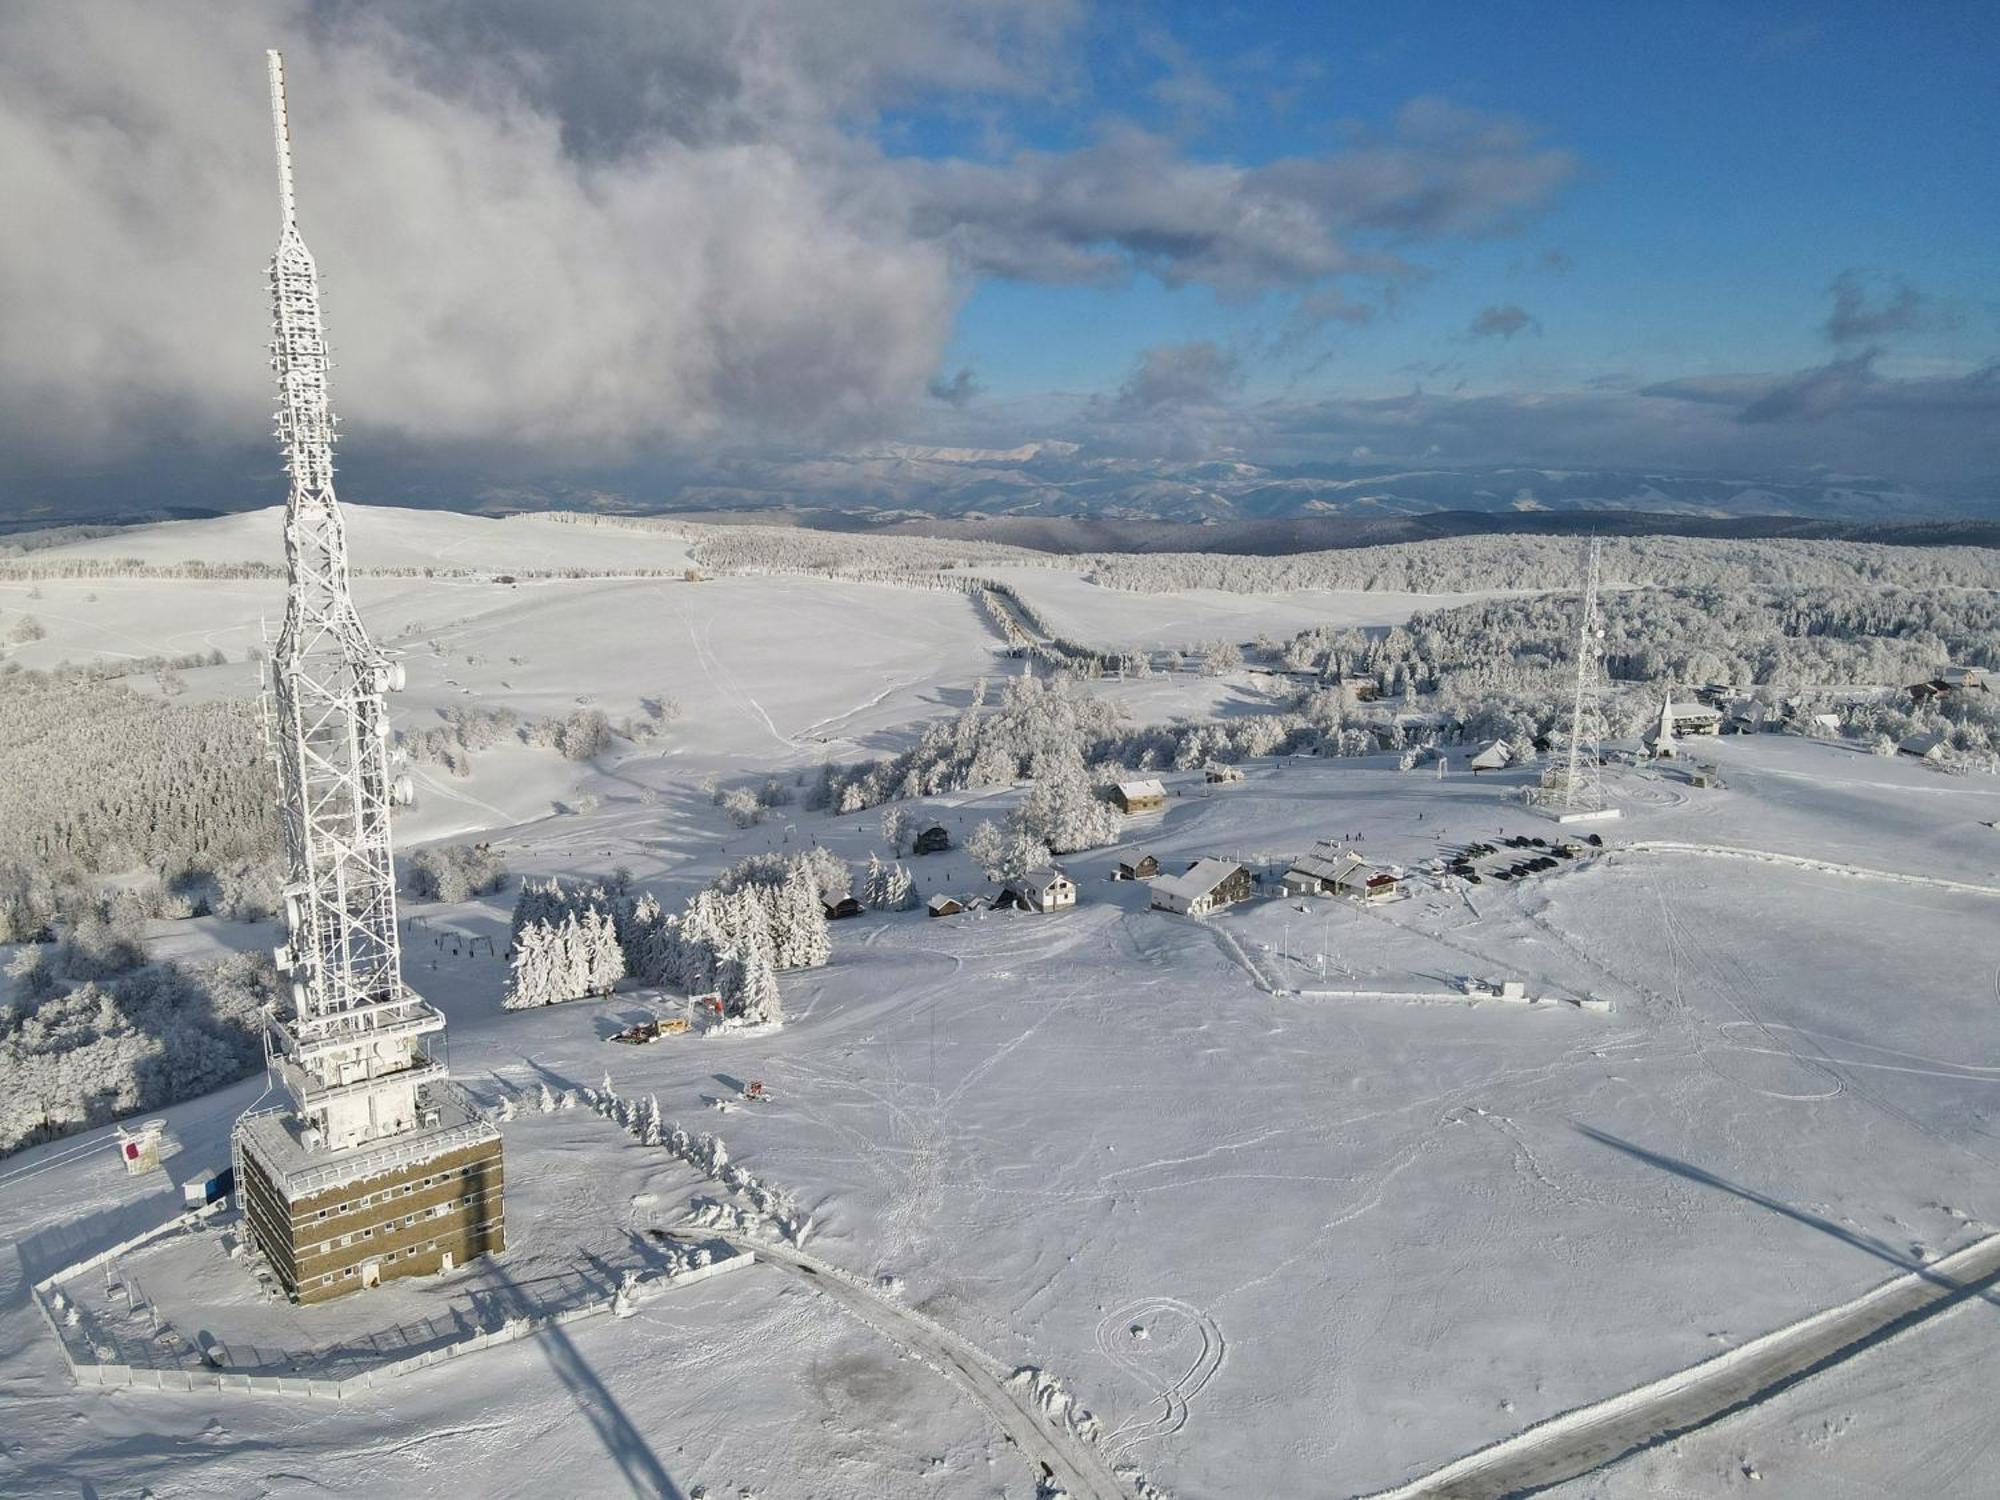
x=1830 y=867
x=1055 y=1455
x=1580 y=1441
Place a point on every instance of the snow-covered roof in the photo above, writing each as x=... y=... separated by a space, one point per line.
x=1201 y=878
x=1921 y=745
x=1693 y=711
x=1494 y=755
x=1328 y=861
x=1042 y=877
x=940 y=901
x=1151 y=787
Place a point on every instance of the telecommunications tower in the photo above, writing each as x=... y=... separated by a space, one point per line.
x=371 y=1102
x=1573 y=789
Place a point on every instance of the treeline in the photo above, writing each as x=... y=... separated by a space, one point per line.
x=1468 y=564
x=1786 y=638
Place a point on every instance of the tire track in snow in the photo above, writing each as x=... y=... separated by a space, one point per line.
x=1058 y=1457
x=1114 y=1340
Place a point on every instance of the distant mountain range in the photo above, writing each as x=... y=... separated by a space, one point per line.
x=1009 y=494
x=1059 y=479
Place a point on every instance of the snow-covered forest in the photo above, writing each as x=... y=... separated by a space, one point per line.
x=102 y=781
x=1464 y=564
x=73 y=1055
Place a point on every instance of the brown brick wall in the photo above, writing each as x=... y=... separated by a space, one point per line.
x=406 y=1219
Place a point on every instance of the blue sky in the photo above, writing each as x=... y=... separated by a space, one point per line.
x=1732 y=161
x=568 y=242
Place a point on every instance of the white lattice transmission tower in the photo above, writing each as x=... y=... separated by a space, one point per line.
x=1575 y=785
x=353 y=1051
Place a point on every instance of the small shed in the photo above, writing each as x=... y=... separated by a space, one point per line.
x=1207 y=885
x=1220 y=775
x=942 y=905
x=845 y=907
x=1381 y=886
x=207 y=1186
x=1928 y=747
x=1139 y=796
x=932 y=840
x=1139 y=867
x=1495 y=757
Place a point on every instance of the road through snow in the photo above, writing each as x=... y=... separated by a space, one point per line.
x=1580 y=1441
x=1066 y=1461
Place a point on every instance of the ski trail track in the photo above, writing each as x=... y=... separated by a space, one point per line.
x=1057 y=1457
x=1823 y=866
x=1588 y=1438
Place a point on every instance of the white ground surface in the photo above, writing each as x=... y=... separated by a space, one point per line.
x=1286 y=1244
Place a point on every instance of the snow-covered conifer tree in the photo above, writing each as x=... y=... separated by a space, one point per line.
x=895 y=828
x=759 y=1000
x=604 y=959
x=899 y=889
x=807 y=945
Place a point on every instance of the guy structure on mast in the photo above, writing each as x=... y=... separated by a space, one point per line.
x=372 y=1107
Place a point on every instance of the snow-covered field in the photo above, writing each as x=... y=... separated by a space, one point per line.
x=1288 y=1226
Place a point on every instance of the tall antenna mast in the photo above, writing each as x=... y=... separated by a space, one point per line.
x=350 y=1053
x=1575 y=788
x=373 y=1115
x=377 y=1141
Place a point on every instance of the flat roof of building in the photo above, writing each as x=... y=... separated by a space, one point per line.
x=273 y=1138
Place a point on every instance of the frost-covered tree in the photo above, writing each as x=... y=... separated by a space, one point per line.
x=1061 y=810
x=741 y=807
x=538 y=971
x=899 y=889
x=454 y=872
x=896 y=828
x=602 y=958
x=758 y=1001
x=986 y=846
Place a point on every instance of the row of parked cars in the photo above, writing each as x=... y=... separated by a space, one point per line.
x=1537 y=855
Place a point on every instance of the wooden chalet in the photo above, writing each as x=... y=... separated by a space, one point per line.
x=935 y=839
x=846 y=906
x=1205 y=886
x=1139 y=867
x=942 y=905
x=1148 y=795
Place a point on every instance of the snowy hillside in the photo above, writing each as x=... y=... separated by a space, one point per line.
x=1288 y=1206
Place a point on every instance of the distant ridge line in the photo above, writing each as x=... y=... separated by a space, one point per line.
x=1280 y=537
